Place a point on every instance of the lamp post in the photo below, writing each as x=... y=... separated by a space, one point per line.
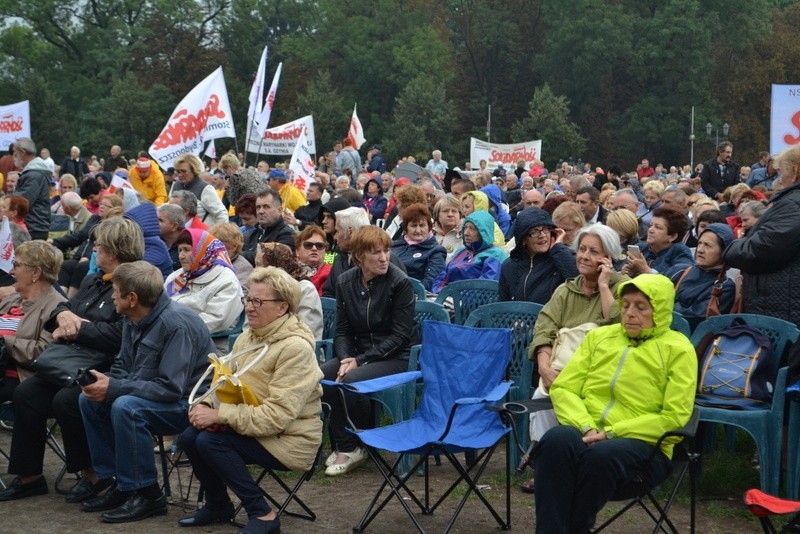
x=710 y=128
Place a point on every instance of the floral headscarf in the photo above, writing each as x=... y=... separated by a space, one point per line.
x=208 y=251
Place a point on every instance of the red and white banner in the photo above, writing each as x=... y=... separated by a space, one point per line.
x=785 y=123
x=356 y=133
x=507 y=155
x=257 y=90
x=281 y=140
x=6 y=247
x=15 y=121
x=302 y=164
x=118 y=182
x=211 y=150
x=261 y=120
x=203 y=114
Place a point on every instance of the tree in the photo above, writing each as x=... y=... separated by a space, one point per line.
x=423 y=117
x=548 y=120
x=330 y=112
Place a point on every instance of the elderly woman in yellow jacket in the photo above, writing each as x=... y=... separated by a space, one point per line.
x=625 y=386
x=283 y=432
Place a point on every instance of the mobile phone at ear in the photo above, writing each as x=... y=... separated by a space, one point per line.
x=633 y=250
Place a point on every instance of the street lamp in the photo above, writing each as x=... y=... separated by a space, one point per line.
x=711 y=129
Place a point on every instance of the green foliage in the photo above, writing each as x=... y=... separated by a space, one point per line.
x=548 y=120
x=331 y=113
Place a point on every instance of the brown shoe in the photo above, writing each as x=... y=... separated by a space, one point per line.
x=527 y=486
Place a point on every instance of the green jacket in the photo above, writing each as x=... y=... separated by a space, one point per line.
x=631 y=387
x=570 y=307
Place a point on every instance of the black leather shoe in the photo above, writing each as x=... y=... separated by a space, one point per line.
x=18 y=490
x=84 y=490
x=135 y=508
x=257 y=526
x=206 y=516
x=108 y=501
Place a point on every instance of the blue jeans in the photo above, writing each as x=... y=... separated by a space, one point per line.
x=121 y=433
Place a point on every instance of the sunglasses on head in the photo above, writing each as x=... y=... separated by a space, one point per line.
x=308 y=245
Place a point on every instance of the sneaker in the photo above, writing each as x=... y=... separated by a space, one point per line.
x=354 y=459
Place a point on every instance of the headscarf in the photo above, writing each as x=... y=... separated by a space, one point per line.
x=208 y=251
x=281 y=256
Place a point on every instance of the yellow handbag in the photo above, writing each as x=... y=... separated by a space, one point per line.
x=226 y=383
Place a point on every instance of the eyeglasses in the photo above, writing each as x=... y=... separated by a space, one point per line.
x=257 y=303
x=308 y=245
x=182 y=171
x=538 y=231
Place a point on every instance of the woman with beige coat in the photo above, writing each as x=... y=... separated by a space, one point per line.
x=283 y=432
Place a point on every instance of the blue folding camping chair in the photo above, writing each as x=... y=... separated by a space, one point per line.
x=462 y=371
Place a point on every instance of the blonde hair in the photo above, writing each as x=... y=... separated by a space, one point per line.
x=229 y=159
x=286 y=287
x=569 y=211
x=625 y=223
x=122 y=238
x=230 y=235
x=43 y=255
x=192 y=161
x=787 y=160
x=655 y=186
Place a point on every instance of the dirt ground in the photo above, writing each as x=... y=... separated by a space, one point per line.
x=339 y=504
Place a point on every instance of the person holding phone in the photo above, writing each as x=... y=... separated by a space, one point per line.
x=662 y=252
x=539 y=262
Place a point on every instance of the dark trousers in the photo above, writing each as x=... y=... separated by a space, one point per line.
x=574 y=480
x=220 y=460
x=72 y=273
x=39 y=235
x=35 y=400
x=358 y=406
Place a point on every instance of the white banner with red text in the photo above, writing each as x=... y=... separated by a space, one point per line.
x=15 y=121
x=302 y=164
x=508 y=155
x=784 y=128
x=281 y=140
x=203 y=114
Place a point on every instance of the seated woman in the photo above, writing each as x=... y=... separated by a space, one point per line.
x=447 y=216
x=23 y=313
x=232 y=238
x=663 y=251
x=693 y=286
x=478 y=258
x=404 y=196
x=87 y=324
x=749 y=214
x=283 y=432
x=418 y=249
x=652 y=201
x=587 y=298
x=607 y=434
x=374 y=201
x=310 y=245
x=539 y=262
x=206 y=282
x=569 y=217
x=474 y=201
x=15 y=208
x=375 y=329
x=309 y=308
x=625 y=223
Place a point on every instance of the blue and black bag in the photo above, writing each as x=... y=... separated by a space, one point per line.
x=736 y=368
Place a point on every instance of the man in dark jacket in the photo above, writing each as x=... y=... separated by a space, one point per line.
x=720 y=173
x=34 y=185
x=74 y=165
x=115 y=160
x=164 y=352
x=270 y=228
x=308 y=214
x=376 y=162
x=539 y=263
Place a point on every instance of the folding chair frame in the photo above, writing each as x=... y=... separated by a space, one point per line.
x=282 y=507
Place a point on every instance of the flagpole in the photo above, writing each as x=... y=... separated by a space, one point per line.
x=489 y=126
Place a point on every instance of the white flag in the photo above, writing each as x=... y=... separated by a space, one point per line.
x=302 y=164
x=356 y=133
x=262 y=119
x=203 y=114
x=257 y=90
x=211 y=150
x=118 y=182
x=6 y=247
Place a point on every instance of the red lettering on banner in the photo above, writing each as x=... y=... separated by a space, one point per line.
x=188 y=126
x=790 y=139
x=270 y=100
x=7 y=251
x=10 y=125
x=513 y=156
x=292 y=133
x=300 y=183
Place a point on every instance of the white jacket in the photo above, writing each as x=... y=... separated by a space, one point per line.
x=216 y=296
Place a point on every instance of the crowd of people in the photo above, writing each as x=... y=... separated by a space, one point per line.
x=153 y=268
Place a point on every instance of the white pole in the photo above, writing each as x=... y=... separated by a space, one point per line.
x=691 y=138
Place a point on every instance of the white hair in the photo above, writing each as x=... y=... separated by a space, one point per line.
x=353 y=217
x=71 y=200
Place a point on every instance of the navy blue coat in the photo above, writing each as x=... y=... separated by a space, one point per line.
x=423 y=261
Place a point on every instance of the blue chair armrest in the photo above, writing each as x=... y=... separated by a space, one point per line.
x=498 y=393
x=376 y=384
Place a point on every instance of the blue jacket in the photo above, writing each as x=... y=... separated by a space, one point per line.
x=499 y=213
x=669 y=261
x=760 y=177
x=163 y=356
x=423 y=261
x=479 y=261
x=694 y=291
x=155 y=250
x=534 y=277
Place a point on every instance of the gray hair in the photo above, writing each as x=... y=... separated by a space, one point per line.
x=352 y=218
x=186 y=200
x=173 y=213
x=607 y=236
x=71 y=200
x=25 y=144
x=628 y=192
x=755 y=207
